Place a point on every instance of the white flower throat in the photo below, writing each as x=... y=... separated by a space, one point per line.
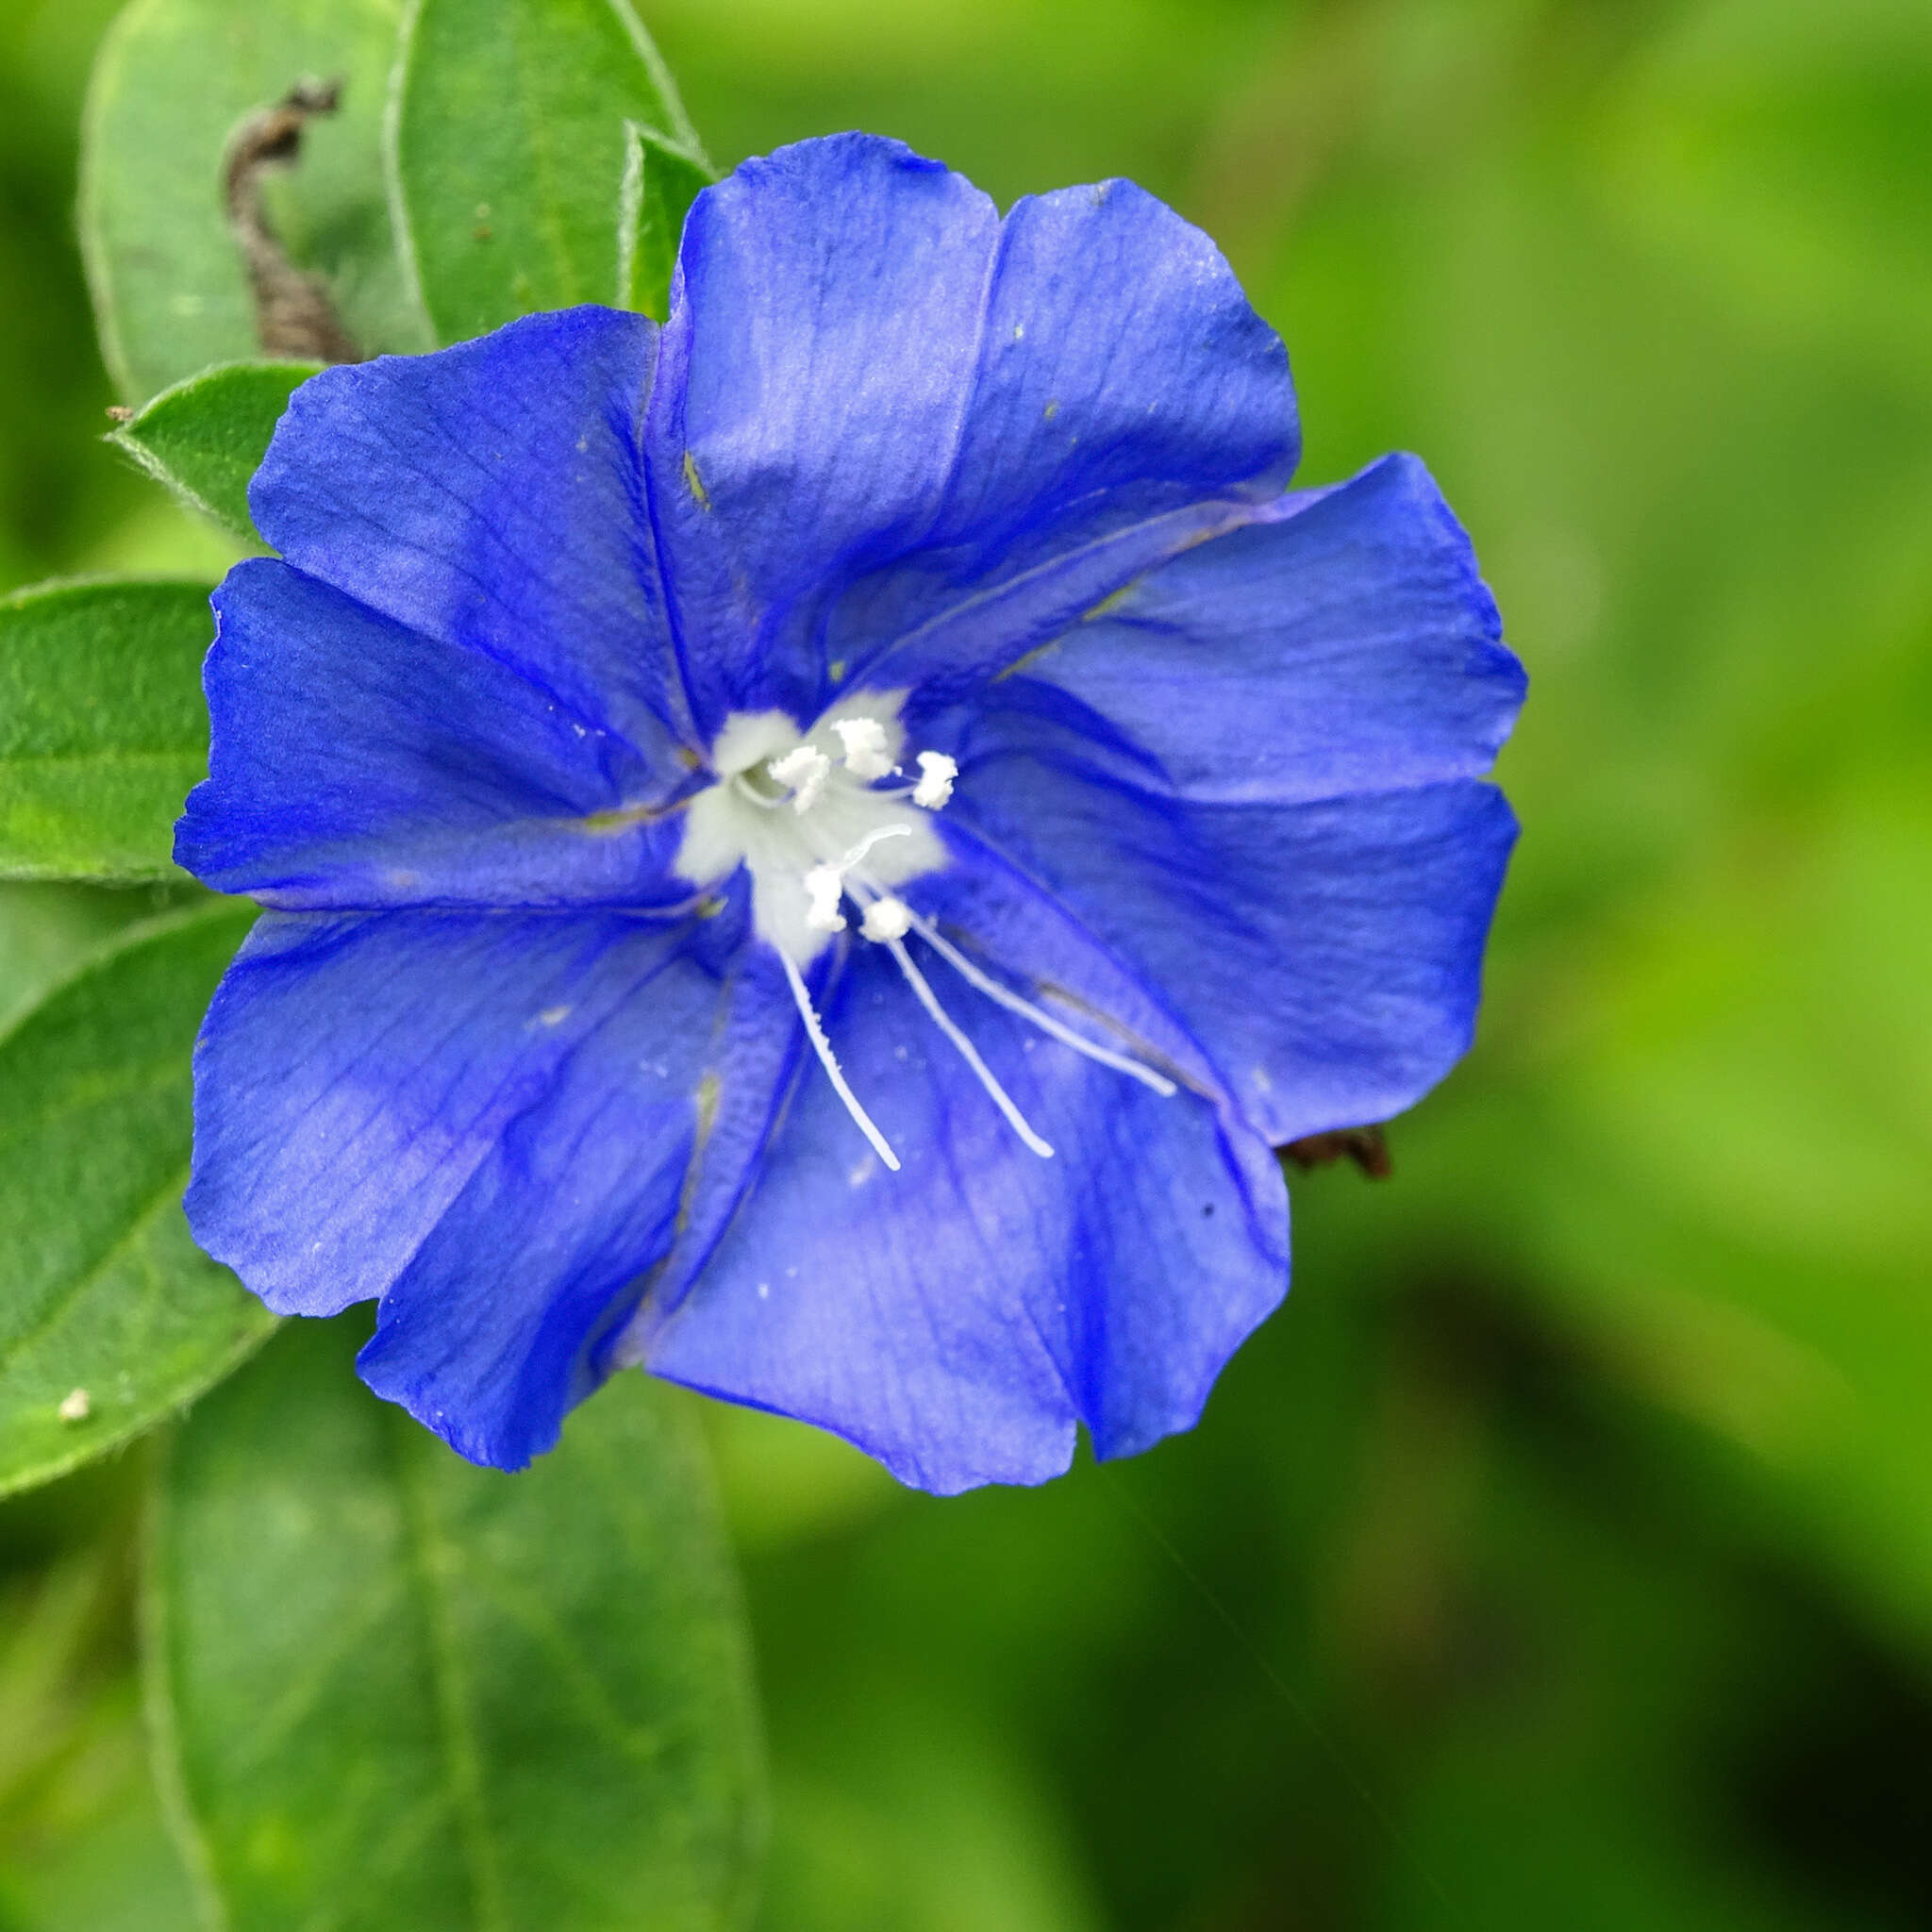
x=807 y=816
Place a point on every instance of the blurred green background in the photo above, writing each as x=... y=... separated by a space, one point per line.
x=1561 y=1555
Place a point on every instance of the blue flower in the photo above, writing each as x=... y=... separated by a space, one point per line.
x=817 y=849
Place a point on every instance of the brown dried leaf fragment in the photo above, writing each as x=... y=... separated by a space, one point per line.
x=293 y=315
x=1368 y=1147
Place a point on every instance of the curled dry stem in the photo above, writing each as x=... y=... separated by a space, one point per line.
x=293 y=314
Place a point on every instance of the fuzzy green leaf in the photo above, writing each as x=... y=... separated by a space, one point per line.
x=390 y=1688
x=102 y=1289
x=102 y=727
x=205 y=437
x=508 y=149
x=172 y=79
x=660 y=182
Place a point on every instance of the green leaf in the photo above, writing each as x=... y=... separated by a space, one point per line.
x=390 y=1688
x=101 y=1287
x=205 y=438
x=82 y=1838
x=47 y=927
x=509 y=150
x=172 y=80
x=660 y=184
x=102 y=727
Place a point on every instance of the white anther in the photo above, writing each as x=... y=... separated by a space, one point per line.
x=866 y=756
x=824 y=886
x=804 y=770
x=936 y=773
x=886 y=920
x=824 y=883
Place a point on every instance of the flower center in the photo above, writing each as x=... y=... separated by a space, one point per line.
x=807 y=815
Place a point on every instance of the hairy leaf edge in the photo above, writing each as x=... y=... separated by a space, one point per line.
x=94 y=1446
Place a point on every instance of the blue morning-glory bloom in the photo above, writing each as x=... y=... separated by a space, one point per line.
x=818 y=848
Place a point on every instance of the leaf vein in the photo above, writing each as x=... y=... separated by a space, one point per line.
x=65 y=1296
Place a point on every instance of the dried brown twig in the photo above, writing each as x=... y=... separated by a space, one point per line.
x=293 y=314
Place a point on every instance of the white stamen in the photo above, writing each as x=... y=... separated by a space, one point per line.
x=824 y=886
x=1045 y=1022
x=805 y=768
x=886 y=919
x=805 y=862
x=824 y=883
x=1001 y=1099
x=865 y=739
x=823 y=1048
x=936 y=773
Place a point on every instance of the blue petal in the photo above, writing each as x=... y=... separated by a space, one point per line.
x=758 y=1048
x=875 y=400
x=356 y=763
x=1118 y=358
x=985 y=631
x=1127 y=404
x=818 y=358
x=960 y=1319
x=491 y=496
x=1328 y=956
x=487 y=1121
x=1349 y=647
x=507 y=1314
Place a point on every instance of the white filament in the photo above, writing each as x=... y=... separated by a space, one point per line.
x=823 y=1048
x=1045 y=1022
x=805 y=863
x=968 y=1052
